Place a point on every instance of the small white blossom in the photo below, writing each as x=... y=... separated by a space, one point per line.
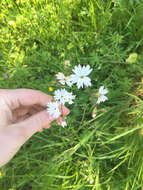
x=93 y=115
x=53 y=109
x=64 y=96
x=102 y=97
x=64 y=124
x=61 y=77
x=11 y=22
x=69 y=81
x=91 y=182
x=70 y=98
x=80 y=76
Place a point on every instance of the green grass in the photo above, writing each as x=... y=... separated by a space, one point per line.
x=105 y=153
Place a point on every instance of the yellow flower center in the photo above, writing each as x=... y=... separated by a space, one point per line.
x=98 y=95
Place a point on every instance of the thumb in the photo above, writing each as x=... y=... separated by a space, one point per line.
x=30 y=126
x=25 y=129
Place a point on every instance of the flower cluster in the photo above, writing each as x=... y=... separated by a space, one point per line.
x=64 y=96
x=80 y=78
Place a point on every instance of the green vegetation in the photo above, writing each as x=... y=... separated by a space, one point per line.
x=102 y=153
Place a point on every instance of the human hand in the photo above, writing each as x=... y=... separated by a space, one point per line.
x=22 y=114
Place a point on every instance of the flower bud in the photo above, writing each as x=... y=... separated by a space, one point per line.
x=94 y=112
x=132 y=58
x=67 y=63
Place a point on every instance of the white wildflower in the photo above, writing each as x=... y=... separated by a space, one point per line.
x=91 y=182
x=101 y=95
x=69 y=81
x=61 y=77
x=70 y=98
x=64 y=124
x=93 y=115
x=53 y=109
x=11 y=22
x=80 y=76
x=64 y=96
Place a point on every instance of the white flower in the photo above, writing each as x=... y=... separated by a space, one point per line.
x=101 y=97
x=61 y=77
x=93 y=115
x=64 y=124
x=64 y=96
x=60 y=95
x=11 y=22
x=70 y=98
x=69 y=81
x=53 y=109
x=80 y=76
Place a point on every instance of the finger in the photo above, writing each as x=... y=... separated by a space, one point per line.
x=25 y=97
x=23 y=113
x=64 y=110
x=59 y=120
x=35 y=123
x=45 y=127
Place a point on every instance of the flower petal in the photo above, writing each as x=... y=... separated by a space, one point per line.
x=101 y=89
x=87 y=81
x=87 y=70
x=80 y=83
x=105 y=91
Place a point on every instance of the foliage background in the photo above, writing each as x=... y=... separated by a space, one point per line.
x=36 y=37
